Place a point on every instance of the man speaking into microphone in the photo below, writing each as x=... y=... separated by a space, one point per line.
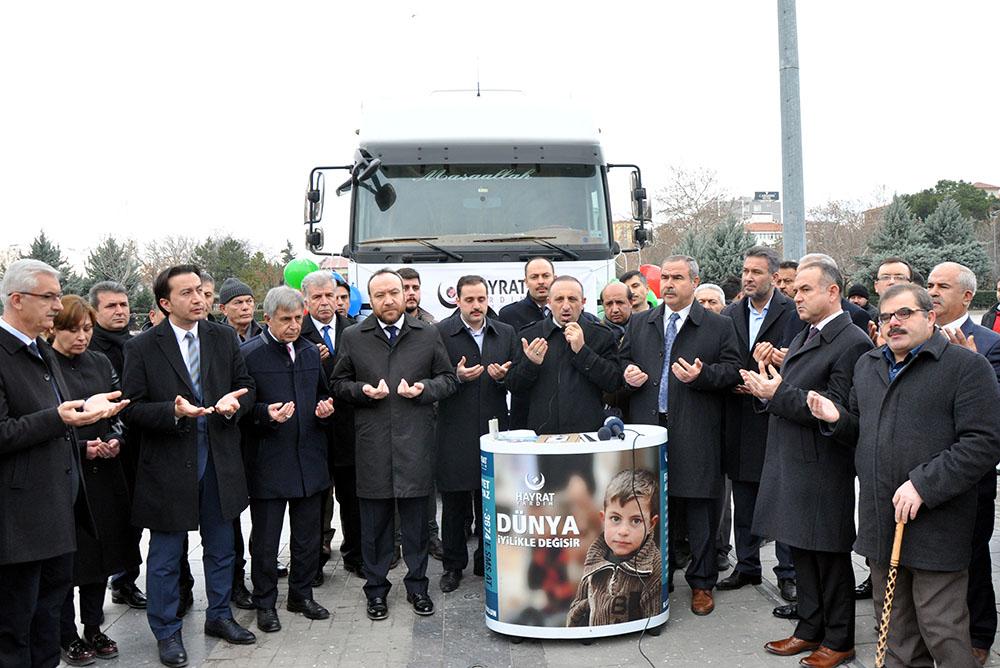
x=564 y=365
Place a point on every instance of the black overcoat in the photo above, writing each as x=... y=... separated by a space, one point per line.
x=285 y=460
x=341 y=426
x=394 y=442
x=746 y=429
x=115 y=548
x=806 y=496
x=38 y=514
x=166 y=492
x=464 y=416
x=695 y=410
x=936 y=425
x=564 y=392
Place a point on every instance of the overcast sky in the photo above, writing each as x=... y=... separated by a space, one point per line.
x=144 y=119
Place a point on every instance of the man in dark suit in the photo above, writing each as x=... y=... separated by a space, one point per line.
x=394 y=433
x=323 y=326
x=42 y=499
x=189 y=386
x=990 y=320
x=564 y=365
x=922 y=417
x=286 y=454
x=110 y=302
x=682 y=361
x=951 y=287
x=806 y=497
x=761 y=319
x=539 y=273
x=481 y=350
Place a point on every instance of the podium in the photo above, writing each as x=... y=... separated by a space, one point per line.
x=553 y=565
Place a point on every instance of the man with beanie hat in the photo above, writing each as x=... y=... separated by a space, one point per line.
x=237 y=305
x=858 y=295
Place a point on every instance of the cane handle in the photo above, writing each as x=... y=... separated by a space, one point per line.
x=897 y=544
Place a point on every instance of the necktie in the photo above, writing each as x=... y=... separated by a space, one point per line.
x=327 y=339
x=546 y=313
x=392 y=331
x=291 y=351
x=668 y=344
x=812 y=334
x=194 y=363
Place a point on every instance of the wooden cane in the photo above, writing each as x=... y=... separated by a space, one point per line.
x=890 y=590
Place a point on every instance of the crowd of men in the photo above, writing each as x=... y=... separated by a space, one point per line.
x=776 y=400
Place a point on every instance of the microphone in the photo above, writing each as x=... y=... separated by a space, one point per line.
x=615 y=427
x=603 y=434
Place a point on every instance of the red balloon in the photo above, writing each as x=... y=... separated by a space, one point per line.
x=652 y=274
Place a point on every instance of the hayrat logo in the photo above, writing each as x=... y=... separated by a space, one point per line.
x=447 y=295
x=534 y=481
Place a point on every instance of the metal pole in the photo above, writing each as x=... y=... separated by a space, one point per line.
x=793 y=215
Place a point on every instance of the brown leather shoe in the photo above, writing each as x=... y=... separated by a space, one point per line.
x=980 y=655
x=824 y=657
x=790 y=646
x=702 y=602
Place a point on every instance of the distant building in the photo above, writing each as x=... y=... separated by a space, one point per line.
x=765 y=231
x=761 y=217
x=991 y=190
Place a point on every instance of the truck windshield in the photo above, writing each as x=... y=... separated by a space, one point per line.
x=483 y=207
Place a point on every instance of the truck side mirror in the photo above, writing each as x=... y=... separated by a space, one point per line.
x=314 y=198
x=314 y=239
x=640 y=205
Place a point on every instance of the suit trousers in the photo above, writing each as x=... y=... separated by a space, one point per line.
x=701 y=520
x=456 y=508
x=825 y=598
x=32 y=594
x=239 y=552
x=346 y=487
x=166 y=550
x=930 y=620
x=91 y=610
x=722 y=543
x=268 y=516
x=327 y=532
x=747 y=544
x=377 y=543
x=981 y=596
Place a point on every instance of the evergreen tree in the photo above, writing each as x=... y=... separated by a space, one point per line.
x=44 y=249
x=723 y=251
x=114 y=260
x=897 y=236
x=947 y=235
x=222 y=258
x=692 y=245
x=288 y=253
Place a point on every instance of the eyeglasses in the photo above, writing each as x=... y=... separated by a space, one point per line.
x=901 y=314
x=892 y=277
x=47 y=297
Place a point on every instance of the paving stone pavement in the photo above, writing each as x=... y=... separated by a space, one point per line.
x=456 y=636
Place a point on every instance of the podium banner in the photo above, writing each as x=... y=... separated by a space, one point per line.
x=574 y=533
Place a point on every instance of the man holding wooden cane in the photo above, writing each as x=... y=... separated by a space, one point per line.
x=923 y=417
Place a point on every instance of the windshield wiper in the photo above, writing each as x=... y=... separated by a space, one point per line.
x=424 y=241
x=544 y=241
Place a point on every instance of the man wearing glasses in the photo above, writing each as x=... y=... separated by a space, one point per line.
x=922 y=416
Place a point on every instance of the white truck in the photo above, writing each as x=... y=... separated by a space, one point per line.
x=467 y=183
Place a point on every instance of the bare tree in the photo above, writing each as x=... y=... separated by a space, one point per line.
x=165 y=252
x=840 y=229
x=693 y=200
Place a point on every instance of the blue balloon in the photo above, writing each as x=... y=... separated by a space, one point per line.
x=337 y=277
x=355 y=308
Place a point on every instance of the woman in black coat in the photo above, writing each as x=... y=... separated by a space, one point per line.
x=87 y=373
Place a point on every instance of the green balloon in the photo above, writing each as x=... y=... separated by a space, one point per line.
x=298 y=269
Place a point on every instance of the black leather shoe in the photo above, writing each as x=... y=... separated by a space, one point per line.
x=241 y=597
x=282 y=570
x=736 y=580
x=864 y=590
x=787 y=589
x=354 y=567
x=450 y=581
x=377 y=609
x=103 y=646
x=267 y=620
x=422 y=603
x=722 y=561
x=230 y=631
x=790 y=611
x=397 y=554
x=309 y=608
x=318 y=580
x=187 y=600
x=172 y=651
x=435 y=548
x=129 y=595
x=79 y=653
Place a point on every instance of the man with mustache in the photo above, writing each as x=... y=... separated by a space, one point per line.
x=923 y=421
x=565 y=363
x=481 y=349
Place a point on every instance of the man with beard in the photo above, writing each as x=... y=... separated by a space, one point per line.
x=411 y=294
x=786 y=277
x=393 y=367
x=760 y=319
